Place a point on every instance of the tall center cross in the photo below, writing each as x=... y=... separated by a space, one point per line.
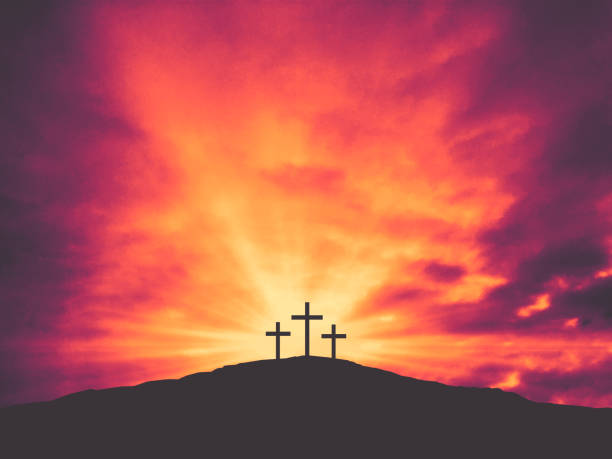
x=333 y=335
x=278 y=334
x=307 y=318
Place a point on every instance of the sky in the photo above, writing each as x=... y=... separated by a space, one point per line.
x=433 y=177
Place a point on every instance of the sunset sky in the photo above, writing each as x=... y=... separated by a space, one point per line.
x=434 y=177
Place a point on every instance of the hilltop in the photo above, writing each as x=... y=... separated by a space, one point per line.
x=300 y=406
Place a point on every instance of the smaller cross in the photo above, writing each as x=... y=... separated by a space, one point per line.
x=333 y=335
x=278 y=334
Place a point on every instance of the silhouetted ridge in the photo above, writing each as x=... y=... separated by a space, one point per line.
x=297 y=407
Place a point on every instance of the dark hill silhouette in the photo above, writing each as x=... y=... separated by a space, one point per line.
x=297 y=407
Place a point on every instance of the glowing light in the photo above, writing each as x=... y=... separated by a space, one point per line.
x=571 y=323
x=511 y=381
x=542 y=303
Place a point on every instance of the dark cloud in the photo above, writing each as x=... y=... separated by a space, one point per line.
x=56 y=129
x=574 y=261
x=584 y=385
x=575 y=386
x=584 y=154
x=592 y=303
x=392 y=296
x=556 y=229
x=484 y=376
x=552 y=60
x=442 y=272
x=32 y=247
x=573 y=258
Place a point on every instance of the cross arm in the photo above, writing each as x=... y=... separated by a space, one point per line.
x=298 y=317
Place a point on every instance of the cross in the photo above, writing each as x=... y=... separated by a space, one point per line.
x=278 y=334
x=307 y=318
x=333 y=335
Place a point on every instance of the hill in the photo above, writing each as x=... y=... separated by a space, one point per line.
x=298 y=407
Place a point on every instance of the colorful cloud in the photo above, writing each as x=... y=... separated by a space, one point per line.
x=434 y=177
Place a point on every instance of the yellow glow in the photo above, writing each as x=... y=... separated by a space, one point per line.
x=542 y=303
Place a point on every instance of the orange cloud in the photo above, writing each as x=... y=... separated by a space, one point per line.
x=363 y=157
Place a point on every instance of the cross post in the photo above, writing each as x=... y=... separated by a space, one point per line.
x=333 y=336
x=278 y=334
x=307 y=318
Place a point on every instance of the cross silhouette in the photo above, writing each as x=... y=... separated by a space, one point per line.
x=307 y=318
x=278 y=334
x=333 y=335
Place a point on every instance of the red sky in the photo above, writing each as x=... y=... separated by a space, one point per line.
x=433 y=177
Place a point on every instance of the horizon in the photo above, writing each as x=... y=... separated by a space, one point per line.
x=432 y=176
x=272 y=361
x=340 y=361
